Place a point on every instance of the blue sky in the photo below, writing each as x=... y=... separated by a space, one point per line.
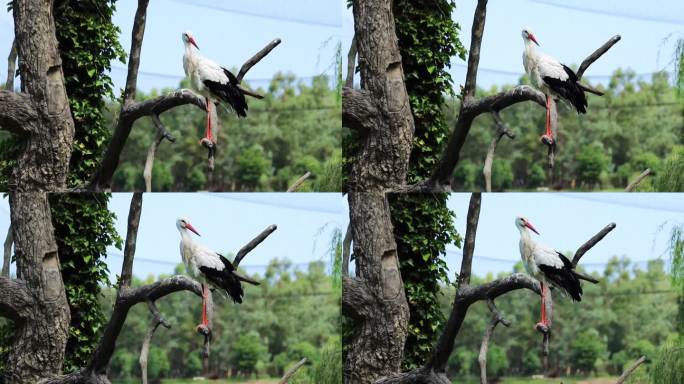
x=227 y=32
x=305 y=221
x=226 y=222
x=567 y=34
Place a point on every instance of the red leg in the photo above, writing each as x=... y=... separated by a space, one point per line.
x=204 y=304
x=548 y=116
x=549 y=315
x=208 y=135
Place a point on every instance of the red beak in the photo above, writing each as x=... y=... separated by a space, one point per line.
x=531 y=36
x=192 y=41
x=190 y=227
x=530 y=226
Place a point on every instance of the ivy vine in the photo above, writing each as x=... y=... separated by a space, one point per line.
x=423 y=225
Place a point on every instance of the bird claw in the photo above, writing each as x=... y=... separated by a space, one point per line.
x=541 y=327
x=546 y=139
x=203 y=330
x=205 y=142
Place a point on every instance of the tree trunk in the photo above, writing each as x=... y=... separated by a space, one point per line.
x=375 y=299
x=42 y=322
x=43 y=162
x=381 y=115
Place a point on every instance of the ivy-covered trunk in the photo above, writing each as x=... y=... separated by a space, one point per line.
x=423 y=224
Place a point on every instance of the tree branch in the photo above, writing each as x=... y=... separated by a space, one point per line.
x=7 y=254
x=631 y=186
x=162 y=134
x=137 y=36
x=346 y=251
x=131 y=239
x=155 y=321
x=501 y=130
x=11 y=66
x=630 y=370
x=596 y=55
x=17 y=114
x=591 y=242
x=252 y=244
x=16 y=300
x=358 y=110
x=351 y=64
x=256 y=58
x=298 y=183
x=471 y=233
x=475 y=42
x=286 y=377
x=484 y=347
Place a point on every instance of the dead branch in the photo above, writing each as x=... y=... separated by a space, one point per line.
x=351 y=64
x=206 y=332
x=298 y=183
x=290 y=372
x=631 y=186
x=591 y=242
x=484 y=347
x=162 y=134
x=252 y=244
x=11 y=66
x=625 y=375
x=346 y=251
x=155 y=321
x=596 y=55
x=256 y=58
x=501 y=131
x=7 y=255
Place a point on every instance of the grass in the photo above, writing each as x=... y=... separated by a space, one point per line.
x=190 y=381
x=529 y=380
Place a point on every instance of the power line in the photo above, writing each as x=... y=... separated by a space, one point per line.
x=253 y=266
x=255 y=14
x=509 y=261
x=608 y=13
x=520 y=74
x=179 y=77
x=278 y=205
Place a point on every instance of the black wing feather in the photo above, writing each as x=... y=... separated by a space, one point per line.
x=225 y=279
x=230 y=93
x=564 y=278
x=569 y=89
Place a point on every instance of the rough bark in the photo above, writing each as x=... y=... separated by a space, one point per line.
x=484 y=347
x=155 y=322
x=43 y=161
x=37 y=303
x=374 y=299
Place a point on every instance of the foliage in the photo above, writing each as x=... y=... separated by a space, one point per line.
x=423 y=225
x=294 y=129
x=84 y=228
x=292 y=314
x=88 y=42
x=668 y=368
x=637 y=124
x=587 y=347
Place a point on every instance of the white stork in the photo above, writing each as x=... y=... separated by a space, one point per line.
x=209 y=267
x=214 y=83
x=548 y=266
x=552 y=78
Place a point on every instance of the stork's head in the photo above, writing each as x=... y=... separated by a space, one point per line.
x=528 y=36
x=188 y=38
x=522 y=222
x=183 y=224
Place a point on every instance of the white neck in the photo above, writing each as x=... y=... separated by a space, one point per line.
x=525 y=235
x=529 y=47
x=185 y=236
x=190 y=50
